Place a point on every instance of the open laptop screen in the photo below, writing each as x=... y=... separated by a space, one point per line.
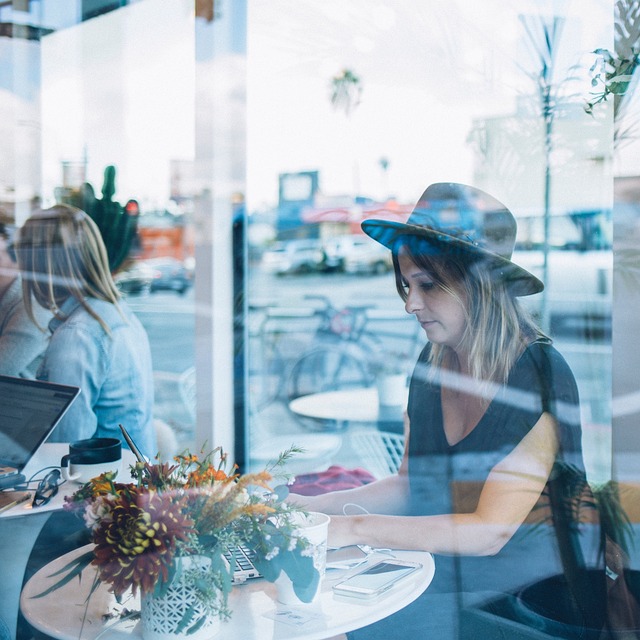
x=29 y=411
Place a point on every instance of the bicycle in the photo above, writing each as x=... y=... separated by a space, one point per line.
x=346 y=352
x=336 y=359
x=272 y=346
x=348 y=349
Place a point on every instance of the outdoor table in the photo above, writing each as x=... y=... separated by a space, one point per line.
x=64 y=613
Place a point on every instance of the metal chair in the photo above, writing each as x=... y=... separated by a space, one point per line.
x=380 y=452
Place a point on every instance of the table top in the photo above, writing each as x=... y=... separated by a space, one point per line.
x=50 y=455
x=253 y=605
x=348 y=405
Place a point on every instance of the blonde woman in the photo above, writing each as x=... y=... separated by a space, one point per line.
x=492 y=418
x=96 y=341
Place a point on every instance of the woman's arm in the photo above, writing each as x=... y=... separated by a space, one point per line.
x=389 y=496
x=510 y=492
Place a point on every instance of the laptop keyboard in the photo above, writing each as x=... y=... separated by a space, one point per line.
x=244 y=567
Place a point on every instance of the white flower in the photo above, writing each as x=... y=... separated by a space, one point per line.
x=97 y=511
x=272 y=554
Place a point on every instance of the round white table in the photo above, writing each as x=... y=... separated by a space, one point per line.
x=348 y=405
x=63 y=614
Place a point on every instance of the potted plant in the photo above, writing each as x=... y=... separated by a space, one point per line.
x=586 y=601
x=167 y=535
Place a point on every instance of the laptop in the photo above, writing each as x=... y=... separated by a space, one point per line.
x=243 y=567
x=29 y=412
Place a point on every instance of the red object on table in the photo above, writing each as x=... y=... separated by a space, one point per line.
x=335 y=478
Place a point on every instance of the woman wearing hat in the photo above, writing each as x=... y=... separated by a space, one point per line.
x=493 y=408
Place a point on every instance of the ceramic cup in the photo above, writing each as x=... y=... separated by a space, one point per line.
x=314 y=527
x=89 y=458
x=391 y=390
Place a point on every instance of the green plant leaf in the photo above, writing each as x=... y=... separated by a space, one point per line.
x=75 y=568
x=84 y=560
x=197 y=626
x=162 y=586
x=186 y=619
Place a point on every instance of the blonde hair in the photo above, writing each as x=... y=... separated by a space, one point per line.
x=61 y=254
x=497 y=327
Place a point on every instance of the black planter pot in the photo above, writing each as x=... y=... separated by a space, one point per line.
x=550 y=607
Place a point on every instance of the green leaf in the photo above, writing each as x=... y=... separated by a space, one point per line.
x=76 y=567
x=281 y=491
x=162 y=586
x=96 y=583
x=270 y=569
x=186 y=619
x=197 y=626
x=84 y=560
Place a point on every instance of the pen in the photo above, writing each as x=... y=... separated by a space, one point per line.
x=21 y=497
x=132 y=445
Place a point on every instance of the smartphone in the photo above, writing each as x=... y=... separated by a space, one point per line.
x=375 y=579
x=347 y=557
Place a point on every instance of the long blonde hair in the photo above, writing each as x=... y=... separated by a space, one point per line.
x=61 y=254
x=497 y=329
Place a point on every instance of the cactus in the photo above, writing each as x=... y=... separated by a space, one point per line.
x=117 y=228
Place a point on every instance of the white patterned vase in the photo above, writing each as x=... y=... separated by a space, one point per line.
x=163 y=618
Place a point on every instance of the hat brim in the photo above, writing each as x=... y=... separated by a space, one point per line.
x=519 y=281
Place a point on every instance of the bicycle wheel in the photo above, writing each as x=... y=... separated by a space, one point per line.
x=327 y=369
x=266 y=373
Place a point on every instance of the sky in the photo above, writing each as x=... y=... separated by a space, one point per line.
x=428 y=69
x=120 y=89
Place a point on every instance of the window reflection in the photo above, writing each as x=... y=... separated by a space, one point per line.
x=350 y=112
x=306 y=200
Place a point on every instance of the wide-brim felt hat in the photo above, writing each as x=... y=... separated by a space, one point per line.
x=458 y=220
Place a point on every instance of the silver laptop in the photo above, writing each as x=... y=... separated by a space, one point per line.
x=29 y=412
x=243 y=567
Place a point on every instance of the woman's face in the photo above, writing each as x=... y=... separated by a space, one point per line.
x=440 y=314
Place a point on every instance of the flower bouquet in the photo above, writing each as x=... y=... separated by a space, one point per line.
x=172 y=530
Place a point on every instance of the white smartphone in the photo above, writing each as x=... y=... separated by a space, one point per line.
x=375 y=579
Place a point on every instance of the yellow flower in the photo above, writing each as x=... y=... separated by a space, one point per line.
x=136 y=545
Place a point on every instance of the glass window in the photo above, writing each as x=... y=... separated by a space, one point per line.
x=248 y=140
x=351 y=114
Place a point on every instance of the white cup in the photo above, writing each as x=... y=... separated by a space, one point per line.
x=90 y=458
x=314 y=527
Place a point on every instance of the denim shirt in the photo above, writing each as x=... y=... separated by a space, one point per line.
x=114 y=373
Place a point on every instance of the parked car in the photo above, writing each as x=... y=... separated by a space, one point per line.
x=578 y=287
x=293 y=256
x=169 y=274
x=579 y=279
x=356 y=254
x=136 y=279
